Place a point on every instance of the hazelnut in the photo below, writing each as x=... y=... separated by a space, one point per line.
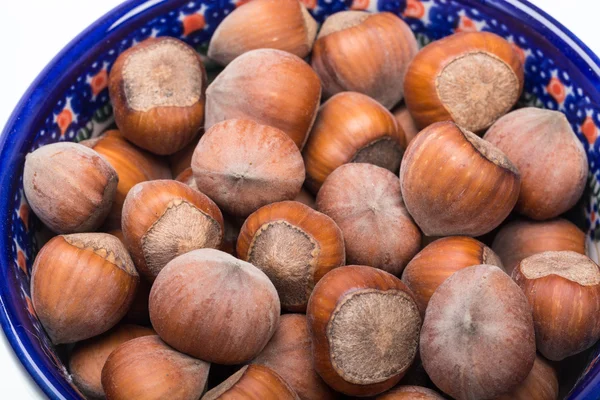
x=212 y=306
x=540 y=384
x=563 y=288
x=157 y=92
x=363 y=52
x=288 y=353
x=471 y=78
x=406 y=122
x=182 y=159
x=552 y=161
x=243 y=165
x=476 y=319
x=133 y=165
x=455 y=183
x=69 y=187
x=146 y=368
x=351 y=127
x=187 y=177
x=163 y=219
x=440 y=259
x=520 y=239
x=256 y=86
x=364 y=325
x=88 y=357
x=410 y=393
x=82 y=285
x=284 y=25
x=253 y=382
x=295 y=246
x=366 y=203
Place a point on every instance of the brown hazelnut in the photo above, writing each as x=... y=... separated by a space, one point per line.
x=295 y=246
x=366 y=203
x=351 y=127
x=243 y=165
x=406 y=122
x=187 y=177
x=82 y=285
x=182 y=160
x=363 y=52
x=212 y=306
x=552 y=161
x=133 y=165
x=455 y=183
x=163 y=219
x=540 y=384
x=288 y=353
x=88 y=357
x=410 y=393
x=563 y=288
x=477 y=340
x=364 y=325
x=69 y=187
x=146 y=368
x=157 y=92
x=471 y=78
x=440 y=259
x=253 y=382
x=521 y=238
x=284 y=25
x=256 y=86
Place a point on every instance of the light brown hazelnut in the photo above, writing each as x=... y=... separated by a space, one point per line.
x=551 y=159
x=476 y=319
x=82 y=285
x=243 y=165
x=256 y=86
x=163 y=219
x=212 y=306
x=363 y=52
x=366 y=203
x=157 y=92
x=284 y=25
x=364 y=325
x=563 y=288
x=471 y=78
x=455 y=183
x=70 y=187
x=295 y=246
x=351 y=127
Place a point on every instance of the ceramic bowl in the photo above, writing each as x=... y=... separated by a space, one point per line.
x=69 y=102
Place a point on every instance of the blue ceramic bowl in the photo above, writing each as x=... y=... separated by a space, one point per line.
x=69 y=101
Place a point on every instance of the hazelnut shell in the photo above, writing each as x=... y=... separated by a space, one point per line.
x=295 y=246
x=69 y=187
x=471 y=78
x=212 y=306
x=351 y=127
x=82 y=285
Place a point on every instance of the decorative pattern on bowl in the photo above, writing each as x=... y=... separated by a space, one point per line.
x=80 y=108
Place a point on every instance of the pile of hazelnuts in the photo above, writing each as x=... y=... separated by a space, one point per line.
x=158 y=281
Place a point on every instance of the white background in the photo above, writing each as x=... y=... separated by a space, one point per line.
x=33 y=31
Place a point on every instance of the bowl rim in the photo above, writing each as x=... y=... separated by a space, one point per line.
x=58 y=69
